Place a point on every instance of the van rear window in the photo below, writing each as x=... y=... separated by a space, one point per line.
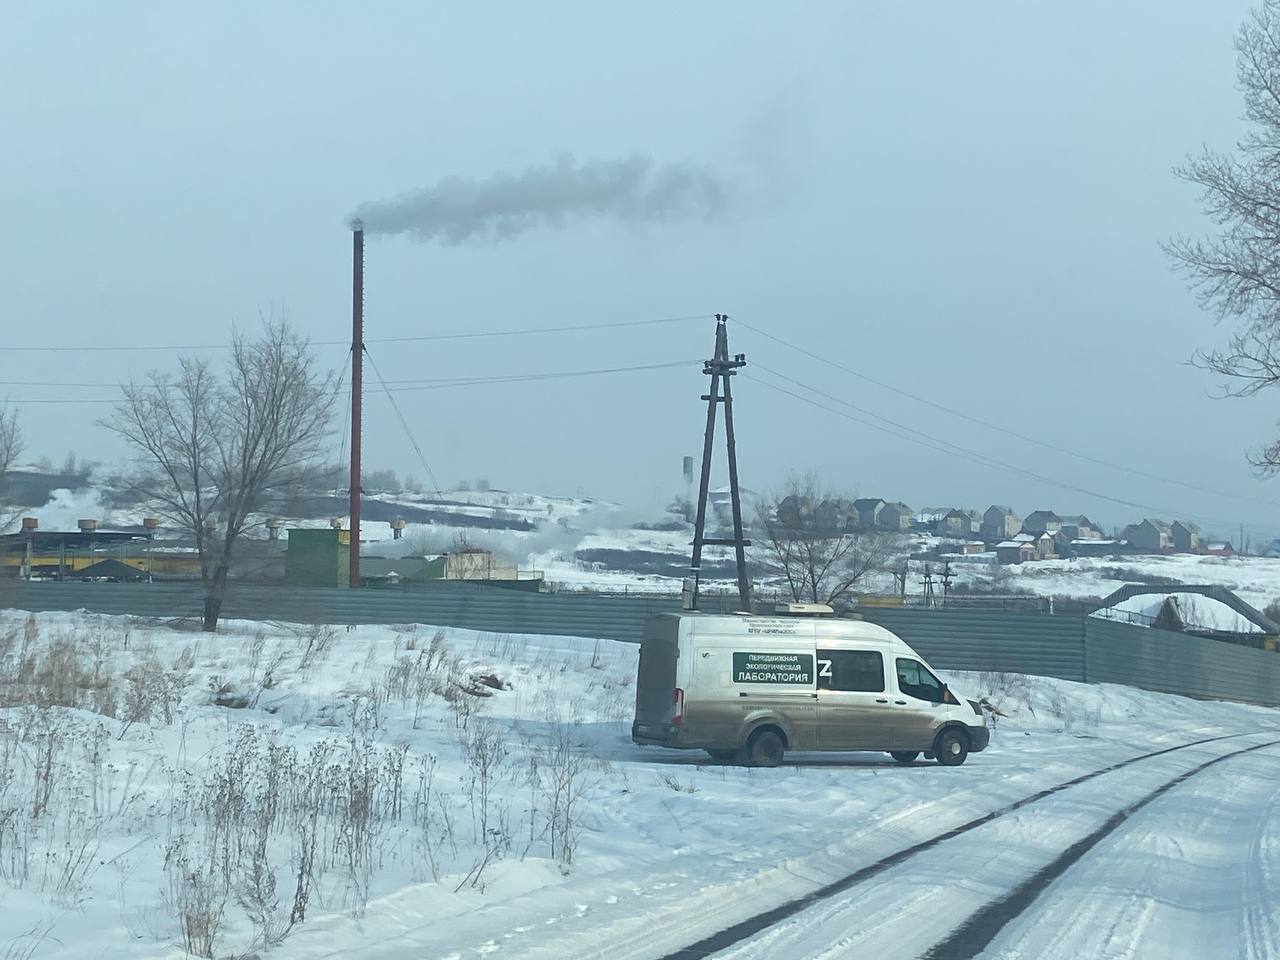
x=860 y=671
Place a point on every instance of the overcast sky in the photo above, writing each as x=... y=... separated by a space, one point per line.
x=963 y=202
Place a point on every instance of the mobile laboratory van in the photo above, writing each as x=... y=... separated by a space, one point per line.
x=747 y=688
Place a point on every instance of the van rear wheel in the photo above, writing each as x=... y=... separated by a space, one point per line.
x=904 y=756
x=765 y=749
x=951 y=747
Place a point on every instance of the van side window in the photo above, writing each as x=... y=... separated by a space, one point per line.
x=856 y=670
x=916 y=681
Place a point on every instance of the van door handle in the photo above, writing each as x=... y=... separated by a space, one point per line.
x=882 y=701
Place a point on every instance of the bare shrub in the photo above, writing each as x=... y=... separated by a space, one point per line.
x=47 y=739
x=25 y=945
x=672 y=782
x=317 y=641
x=560 y=774
x=197 y=899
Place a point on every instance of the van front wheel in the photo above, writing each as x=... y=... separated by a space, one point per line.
x=951 y=748
x=765 y=749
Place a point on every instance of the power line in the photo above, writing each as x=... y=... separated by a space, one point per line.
x=946 y=447
x=1135 y=471
x=405 y=424
x=468 y=335
x=527 y=377
x=435 y=384
x=574 y=328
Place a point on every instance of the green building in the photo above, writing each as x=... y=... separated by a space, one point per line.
x=319 y=558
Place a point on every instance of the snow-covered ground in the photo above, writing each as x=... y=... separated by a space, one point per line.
x=1256 y=580
x=444 y=793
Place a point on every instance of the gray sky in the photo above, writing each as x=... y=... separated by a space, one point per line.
x=965 y=205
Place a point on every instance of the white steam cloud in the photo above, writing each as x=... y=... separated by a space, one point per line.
x=634 y=190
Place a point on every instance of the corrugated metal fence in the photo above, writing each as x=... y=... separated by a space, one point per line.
x=1072 y=647
x=1014 y=642
x=1076 y=647
x=456 y=604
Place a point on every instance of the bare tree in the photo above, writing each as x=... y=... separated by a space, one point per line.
x=807 y=540
x=1236 y=273
x=10 y=450
x=215 y=448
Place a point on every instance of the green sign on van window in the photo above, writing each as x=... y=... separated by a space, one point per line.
x=773 y=668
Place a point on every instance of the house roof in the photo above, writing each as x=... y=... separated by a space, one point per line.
x=863 y=503
x=1077 y=520
x=1158 y=524
x=1007 y=511
x=111 y=568
x=1186 y=525
x=1042 y=515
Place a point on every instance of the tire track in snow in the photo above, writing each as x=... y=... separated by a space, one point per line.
x=1262 y=911
x=975 y=934
x=763 y=921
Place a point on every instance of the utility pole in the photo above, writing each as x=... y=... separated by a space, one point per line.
x=720 y=368
x=900 y=580
x=357 y=371
x=927 y=584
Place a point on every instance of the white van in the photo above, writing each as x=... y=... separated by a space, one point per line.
x=746 y=688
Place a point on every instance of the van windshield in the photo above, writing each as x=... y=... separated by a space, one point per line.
x=915 y=680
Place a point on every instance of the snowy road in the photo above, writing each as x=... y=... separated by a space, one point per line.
x=901 y=912
x=1195 y=874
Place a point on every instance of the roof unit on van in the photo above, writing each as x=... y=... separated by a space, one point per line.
x=805 y=609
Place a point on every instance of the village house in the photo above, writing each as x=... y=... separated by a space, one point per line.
x=896 y=517
x=1042 y=521
x=999 y=523
x=955 y=524
x=790 y=509
x=1041 y=542
x=1095 y=547
x=1149 y=536
x=1080 y=527
x=1015 y=551
x=868 y=511
x=1185 y=536
x=835 y=516
x=929 y=519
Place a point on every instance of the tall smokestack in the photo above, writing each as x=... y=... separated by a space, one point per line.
x=357 y=371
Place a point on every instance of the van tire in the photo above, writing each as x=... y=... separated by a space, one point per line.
x=904 y=756
x=951 y=747
x=723 y=756
x=765 y=748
